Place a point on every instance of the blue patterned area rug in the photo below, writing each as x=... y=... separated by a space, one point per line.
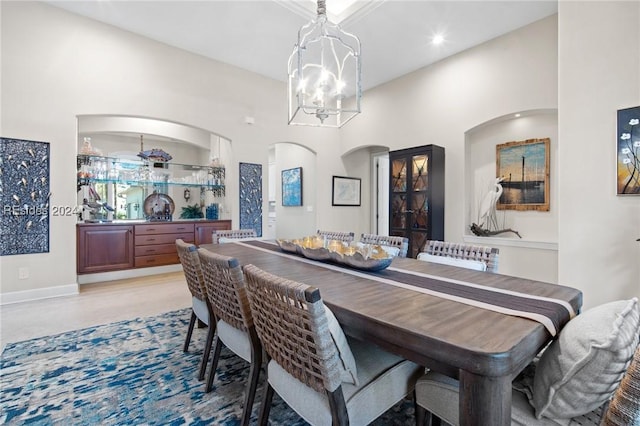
x=132 y=372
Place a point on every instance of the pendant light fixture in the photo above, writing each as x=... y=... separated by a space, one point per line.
x=324 y=74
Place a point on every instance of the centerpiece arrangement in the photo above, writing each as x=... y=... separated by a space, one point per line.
x=368 y=257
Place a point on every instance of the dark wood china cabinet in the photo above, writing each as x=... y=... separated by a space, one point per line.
x=416 y=196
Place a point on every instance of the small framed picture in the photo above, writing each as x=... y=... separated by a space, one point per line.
x=628 y=164
x=345 y=191
x=292 y=187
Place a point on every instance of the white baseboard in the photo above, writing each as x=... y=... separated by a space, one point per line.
x=36 y=294
x=127 y=273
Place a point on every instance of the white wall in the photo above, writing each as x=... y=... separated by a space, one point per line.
x=296 y=221
x=439 y=104
x=56 y=66
x=599 y=49
x=539 y=229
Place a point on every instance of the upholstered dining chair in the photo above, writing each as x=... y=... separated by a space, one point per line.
x=596 y=356
x=227 y=295
x=200 y=307
x=443 y=252
x=324 y=377
x=402 y=243
x=347 y=237
x=232 y=234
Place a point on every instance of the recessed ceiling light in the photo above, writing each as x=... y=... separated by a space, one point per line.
x=517 y=115
x=437 y=39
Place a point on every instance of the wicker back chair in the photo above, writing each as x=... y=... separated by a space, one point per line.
x=436 y=400
x=624 y=408
x=232 y=233
x=227 y=296
x=402 y=243
x=488 y=255
x=300 y=338
x=347 y=237
x=200 y=307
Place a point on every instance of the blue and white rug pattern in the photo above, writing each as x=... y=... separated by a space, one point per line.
x=132 y=372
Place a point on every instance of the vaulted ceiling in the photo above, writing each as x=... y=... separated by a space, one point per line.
x=396 y=35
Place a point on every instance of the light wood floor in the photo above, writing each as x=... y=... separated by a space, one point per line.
x=98 y=303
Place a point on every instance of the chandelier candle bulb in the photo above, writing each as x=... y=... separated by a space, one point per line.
x=324 y=87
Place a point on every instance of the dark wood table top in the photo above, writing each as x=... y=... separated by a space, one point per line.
x=444 y=335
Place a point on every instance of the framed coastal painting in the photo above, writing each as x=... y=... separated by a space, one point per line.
x=292 y=187
x=628 y=158
x=345 y=191
x=523 y=167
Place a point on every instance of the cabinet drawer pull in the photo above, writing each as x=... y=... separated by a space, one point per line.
x=150 y=251
x=151 y=260
x=181 y=229
x=151 y=239
x=151 y=229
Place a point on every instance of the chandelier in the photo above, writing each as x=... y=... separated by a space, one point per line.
x=324 y=74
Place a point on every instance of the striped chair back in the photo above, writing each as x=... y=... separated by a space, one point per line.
x=233 y=234
x=402 y=243
x=488 y=255
x=347 y=237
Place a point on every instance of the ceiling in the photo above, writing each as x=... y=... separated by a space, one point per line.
x=259 y=35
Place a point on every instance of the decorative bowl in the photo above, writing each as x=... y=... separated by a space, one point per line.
x=288 y=245
x=366 y=257
x=358 y=261
x=316 y=253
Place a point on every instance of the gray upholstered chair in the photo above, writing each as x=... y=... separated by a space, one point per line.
x=227 y=295
x=324 y=377
x=232 y=234
x=200 y=307
x=596 y=356
x=487 y=255
x=402 y=243
x=347 y=237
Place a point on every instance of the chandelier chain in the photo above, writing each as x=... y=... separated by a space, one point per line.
x=322 y=9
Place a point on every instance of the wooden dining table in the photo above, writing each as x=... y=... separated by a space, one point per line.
x=484 y=349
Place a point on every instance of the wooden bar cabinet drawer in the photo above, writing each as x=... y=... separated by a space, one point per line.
x=155 y=249
x=164 y=228
x=141 y=240
x=156 y=260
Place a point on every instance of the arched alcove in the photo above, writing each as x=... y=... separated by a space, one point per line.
x=539 y=229
x=291 y=221
x=124 y=136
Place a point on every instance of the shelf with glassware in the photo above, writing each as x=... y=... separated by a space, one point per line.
x=120 y=188
x=101 y=169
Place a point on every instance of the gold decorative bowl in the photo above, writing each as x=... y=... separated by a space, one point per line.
x=366 y=257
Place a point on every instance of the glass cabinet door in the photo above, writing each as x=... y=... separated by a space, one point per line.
x=416 y=185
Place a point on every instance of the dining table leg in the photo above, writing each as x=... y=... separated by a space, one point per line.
x=484 y=400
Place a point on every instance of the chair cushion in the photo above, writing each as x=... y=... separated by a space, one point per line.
x=384 y=380
x=200 y=309
x=349 y=373
x=439 y=395
x=236 y=340
x=582 y=368
x=477 y=265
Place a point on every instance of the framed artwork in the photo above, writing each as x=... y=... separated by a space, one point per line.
x=628 y=176
x=25 y=197
x=345 y=191
x=523 y=167
x=292 y=187
x=251 y=197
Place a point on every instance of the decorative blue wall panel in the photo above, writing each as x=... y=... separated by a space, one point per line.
x=24 y=197
x=251 y=197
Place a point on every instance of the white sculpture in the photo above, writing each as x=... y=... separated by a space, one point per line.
x=487 y=213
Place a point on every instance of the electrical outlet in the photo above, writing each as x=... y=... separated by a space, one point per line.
x=23 y=273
